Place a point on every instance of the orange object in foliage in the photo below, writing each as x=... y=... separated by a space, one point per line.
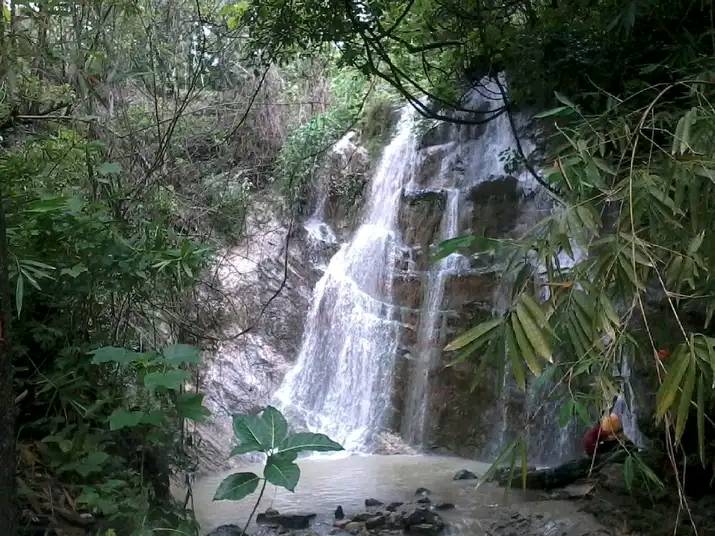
x=611 y=424
x=663 y=354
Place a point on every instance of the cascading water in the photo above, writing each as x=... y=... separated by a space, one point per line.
x=465 y=164
x=428 y=339
x=342 y=382
x=347 y=375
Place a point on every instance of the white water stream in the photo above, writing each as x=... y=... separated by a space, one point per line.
x=342 y=382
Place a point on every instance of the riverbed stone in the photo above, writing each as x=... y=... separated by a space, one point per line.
x=375 y=522
x=421 y=516
x=354 y=527
x=444 y=506
x=373 y=502
x=342 y=523
x=422 y=491
x=394 y=521
x=393 y=506
x=286 y=521
x=464 y=474
x=226 y=530
x=425 y=529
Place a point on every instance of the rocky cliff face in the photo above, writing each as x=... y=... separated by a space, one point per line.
x=473 y=410
x=260 y=294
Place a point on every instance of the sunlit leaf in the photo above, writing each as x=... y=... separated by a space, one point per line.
x=669 y=388
x=534 y=333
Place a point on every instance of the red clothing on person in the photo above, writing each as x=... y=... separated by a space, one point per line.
x=592 y=438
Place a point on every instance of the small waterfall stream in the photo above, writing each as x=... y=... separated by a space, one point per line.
x=342 y=382
x=428 y=339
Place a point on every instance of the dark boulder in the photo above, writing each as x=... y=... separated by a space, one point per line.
x=375 y=522
x=372 y=502
x=286 y=521
x=422 y=491
x=226 y=530
x=354 y=527
x=421 y=516
x=339 y=514
x=463 y=474
x=444 y=506
x=393 y=506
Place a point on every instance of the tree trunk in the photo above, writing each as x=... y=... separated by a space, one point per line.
x=8 y=509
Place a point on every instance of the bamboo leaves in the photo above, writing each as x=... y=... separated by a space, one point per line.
x=685 y=384
x=525 y=336
x=474 y=334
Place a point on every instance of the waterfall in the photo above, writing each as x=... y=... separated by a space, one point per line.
x=347 y=375
x=428 y=336
x=342 y=382
x=466 y=163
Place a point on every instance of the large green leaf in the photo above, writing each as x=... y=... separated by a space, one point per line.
x=178 y=354
x=517 y=365
x=121 y=418
x=669 y=388
x=276 y=425
x=281 y=470
x=473 y=334
x=252 y=433
x=236 y=486
x=307 y=441
x=114 y=354
x=189 y=406
x=534 y=333
x=535 y=310
x=245 y=448
x=685 y=399
x=525 y=348
x=172 y=379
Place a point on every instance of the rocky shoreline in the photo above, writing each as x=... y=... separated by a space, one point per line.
x=419 y=515
x=597 y=505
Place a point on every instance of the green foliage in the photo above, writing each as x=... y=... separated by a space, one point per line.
x=623 y=265
x=102 y=418
x=267 y=432
x=301 y=157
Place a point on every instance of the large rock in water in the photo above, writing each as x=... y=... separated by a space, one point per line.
x=286 y=521
x=463 y=474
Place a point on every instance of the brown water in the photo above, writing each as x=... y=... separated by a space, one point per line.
x=327 y=482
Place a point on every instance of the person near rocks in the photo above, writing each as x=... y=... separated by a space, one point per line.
x=603 y=436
